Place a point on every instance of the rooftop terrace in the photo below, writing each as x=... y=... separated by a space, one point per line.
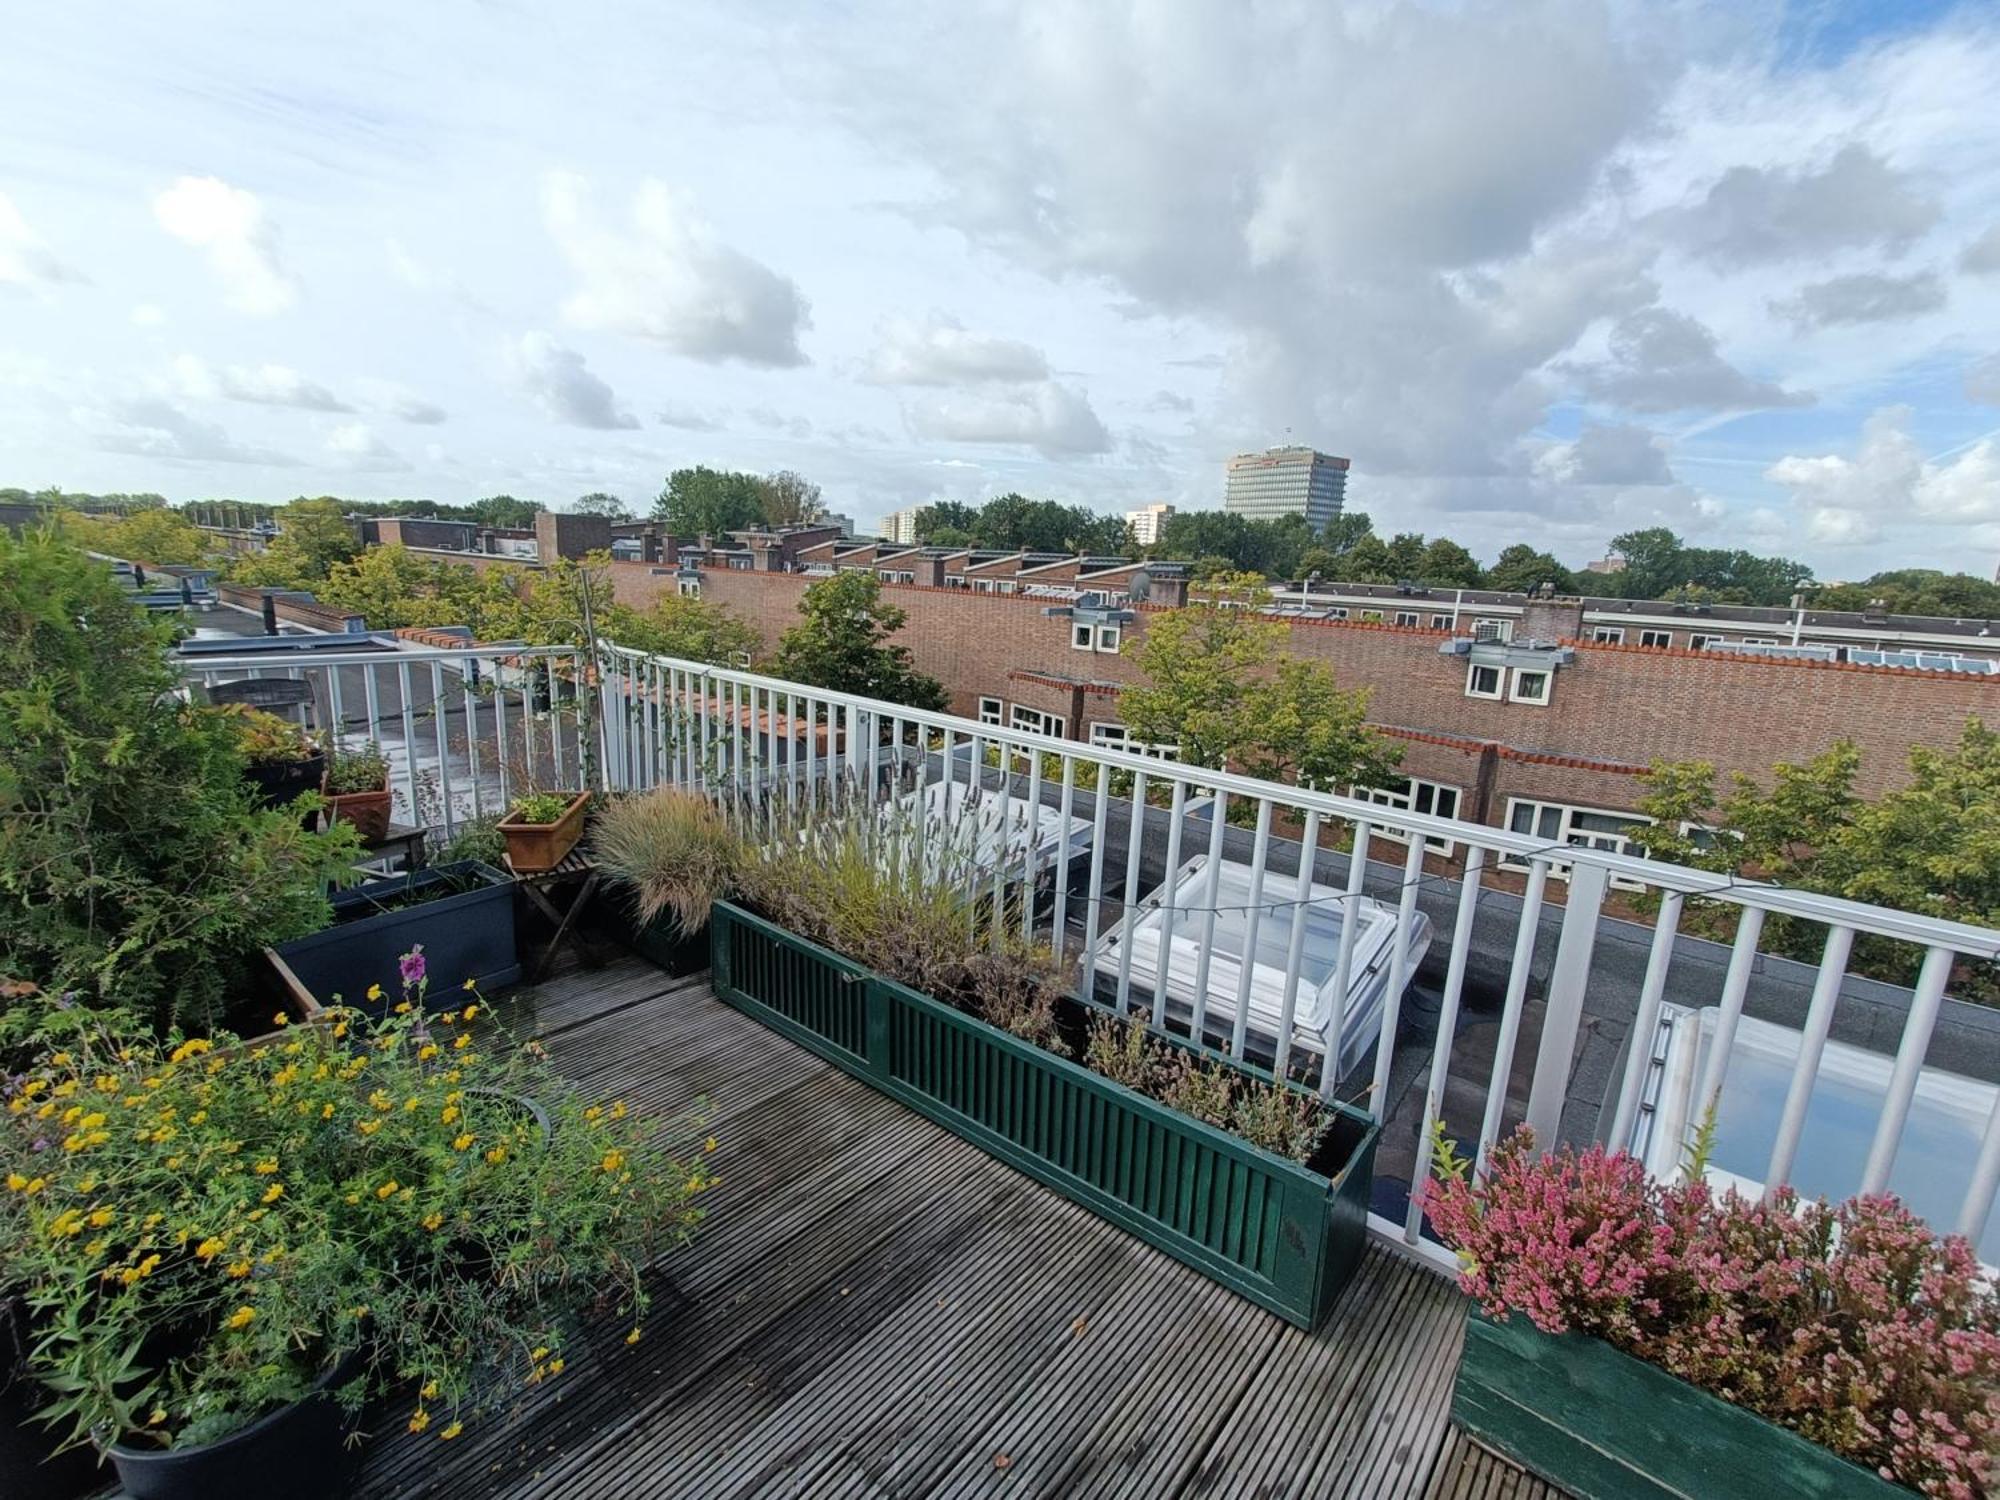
x=877 y=1307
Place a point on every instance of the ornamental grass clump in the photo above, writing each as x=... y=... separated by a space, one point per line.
x=1853 y=1324
x=201 y=1229
x=673 y=849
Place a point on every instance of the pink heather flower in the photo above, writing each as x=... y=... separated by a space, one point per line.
x=1854 y=1325
x=413 y=967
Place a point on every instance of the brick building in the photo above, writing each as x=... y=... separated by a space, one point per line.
x=1540 y=736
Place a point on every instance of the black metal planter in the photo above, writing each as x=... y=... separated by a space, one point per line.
x=30 y=1468
x=1284 y=1236
x=281 y=782
x=465 y=934
x=300 y=1451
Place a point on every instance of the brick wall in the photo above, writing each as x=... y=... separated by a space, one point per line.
x=1612 y=712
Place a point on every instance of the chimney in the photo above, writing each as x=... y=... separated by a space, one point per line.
x=1550 y=620
x=930 y=571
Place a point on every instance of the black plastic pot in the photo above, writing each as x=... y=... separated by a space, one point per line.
x=30 y=1468
x=300 y=1451
x=466 y=934
x=662 y=943
x=280 y=782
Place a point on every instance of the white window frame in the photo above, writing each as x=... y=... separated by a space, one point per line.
x=992 y=711
x=1413 y=791
x=1492 y=630
x=1441 y=622
x=1607 y=635
x=1082 y=635
x=1516 y=695
x=1371 y=617
x=1339 y=612
x=690 y=588
x=740 y=660
x=1035 y=721
x=1106 y=735
x=1757 y=640
x=1407 y=618
x=1565 y=831
x=1472 y=671
x=1700 y=642
x=1658 y=640
x=1109 y=638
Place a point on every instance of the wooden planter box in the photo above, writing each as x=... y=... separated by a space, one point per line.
x=1280 y=1234
x=1606 y=1426
x=535 y=847
x=367 y=811
x=466 y=934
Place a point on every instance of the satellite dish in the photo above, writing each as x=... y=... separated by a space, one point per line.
x=1141 y=586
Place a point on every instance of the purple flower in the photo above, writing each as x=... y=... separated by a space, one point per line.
x=413 y=967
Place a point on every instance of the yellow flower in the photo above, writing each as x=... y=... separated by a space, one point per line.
x=16 y=1182
x=339 y=1030
x=450 y=1114
x=281 y=1019
x=374 y=992
x=101 y=1217
x=188 y=1049
x=241 y=1317
x=555 y=1367
x=386 y=1190
x=35 y=1185
x=471 y=1010
x=274 y=1192
x=463 y=1141
x=430 y=1390
x=541 y=1352
x=462 y=1042
x=157 y=1416
x=709 y=1144
x=592 y=1113
x=402 y=1007
x=432 y=1221
x=239 y=1269
x=469 y=985
x=174 y=1162
x=369 y=1127
x=149 y=1265
x=410 y=1104
x=426 y=1052
x=420 y=1420
x=62 y=1060
x=265 y=1167
x=617 y=1109
x=209 y=1248
x=326 y=1111
x=381 y=1101
x=613 y=1160
x=632 y=1337
x=452 y=1431
x=497 y=1155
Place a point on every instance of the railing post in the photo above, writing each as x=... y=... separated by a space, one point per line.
x=1562 y=1012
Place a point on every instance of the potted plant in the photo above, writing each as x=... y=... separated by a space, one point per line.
x=460 y=916
x=233 y=1246
x=870 y=937
x=1638 y=1338
x=541 y=828
x=357 y=790
x=676 y=855
x=282 y=761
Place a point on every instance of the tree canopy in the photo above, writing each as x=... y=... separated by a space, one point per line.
x=599 y=503
x=843 y=643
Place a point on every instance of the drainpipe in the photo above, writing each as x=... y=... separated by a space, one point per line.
x=1798 y=616
x=1483 y=781
x=270 y=614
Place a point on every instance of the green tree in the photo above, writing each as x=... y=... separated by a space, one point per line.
x=1519 y=569
x=504 y=512
x=1406 y=555
x=1217 y=684
x=843 y=643
x=1345 y=530
x=709 y=502
x=1446 y=564
x=1368 y=561
x=149 y=535
x=599 y=503
x=312 y=536
x=1917 y=591
x=790 y=499
x=954 y=517
x=135 y=872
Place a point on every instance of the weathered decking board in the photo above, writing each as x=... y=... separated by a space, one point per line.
x=877 y=1308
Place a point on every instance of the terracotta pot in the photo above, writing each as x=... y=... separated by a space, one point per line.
x=534 y=847
x=367 y=811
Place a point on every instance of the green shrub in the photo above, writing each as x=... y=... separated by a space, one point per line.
x=135 y=871
x=475 y=838
x=264 y=738
x=541 y=807
x=673 y=848
x=351 y=771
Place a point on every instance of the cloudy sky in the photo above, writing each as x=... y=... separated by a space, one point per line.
x=1544 y=269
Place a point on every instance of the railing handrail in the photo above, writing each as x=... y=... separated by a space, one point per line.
x=221 y=663
x=1881 y=921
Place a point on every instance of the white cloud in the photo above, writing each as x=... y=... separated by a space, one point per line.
x=939 y=351
x=261 y=385
x=148 y=315
x=686 y=418
x=241 y=242
x=1663 y=361
x=1865 y=297
x=1055 y=420
x=1761 y=214
x=1982 y=256
x=559 y=379
x=1889 y=481
x=1618 y=453
x=402 y=403
x=773 y=420
x=359 y=448
x=670 y=280
x=153 y=428
x=25 y=260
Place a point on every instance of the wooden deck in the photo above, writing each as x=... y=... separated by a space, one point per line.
x=876 y=1308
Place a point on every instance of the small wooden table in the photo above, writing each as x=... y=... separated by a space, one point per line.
x=575 y=878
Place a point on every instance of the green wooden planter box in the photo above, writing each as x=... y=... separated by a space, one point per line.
x=1606 y=1426
x=1285 y=1237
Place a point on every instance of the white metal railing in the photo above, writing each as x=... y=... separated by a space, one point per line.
x=1103 y=883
